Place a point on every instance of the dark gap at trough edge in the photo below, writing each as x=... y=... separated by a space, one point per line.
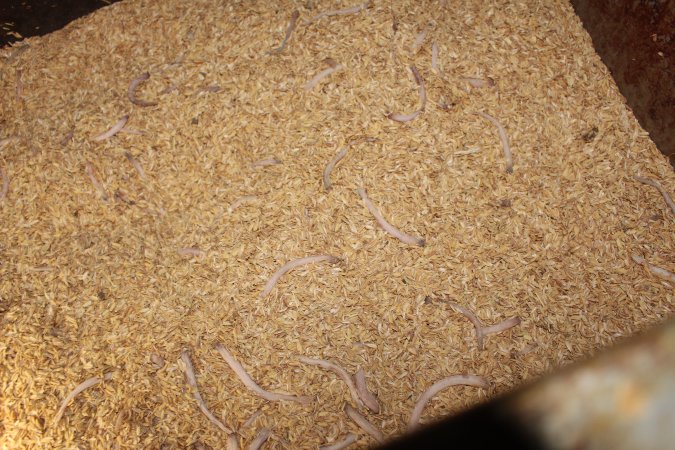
x=636 y=41
x=39 y=17
x=486 y=426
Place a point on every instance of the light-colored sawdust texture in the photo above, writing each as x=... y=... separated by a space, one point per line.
x=99 y=281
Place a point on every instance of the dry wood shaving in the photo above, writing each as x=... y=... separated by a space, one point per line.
x=550 y=243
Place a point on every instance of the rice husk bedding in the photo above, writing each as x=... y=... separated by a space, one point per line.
x=91 y=286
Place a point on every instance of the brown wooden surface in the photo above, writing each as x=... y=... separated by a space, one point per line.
x=636 y=40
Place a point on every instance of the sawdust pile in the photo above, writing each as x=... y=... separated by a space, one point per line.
x=117 y=255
